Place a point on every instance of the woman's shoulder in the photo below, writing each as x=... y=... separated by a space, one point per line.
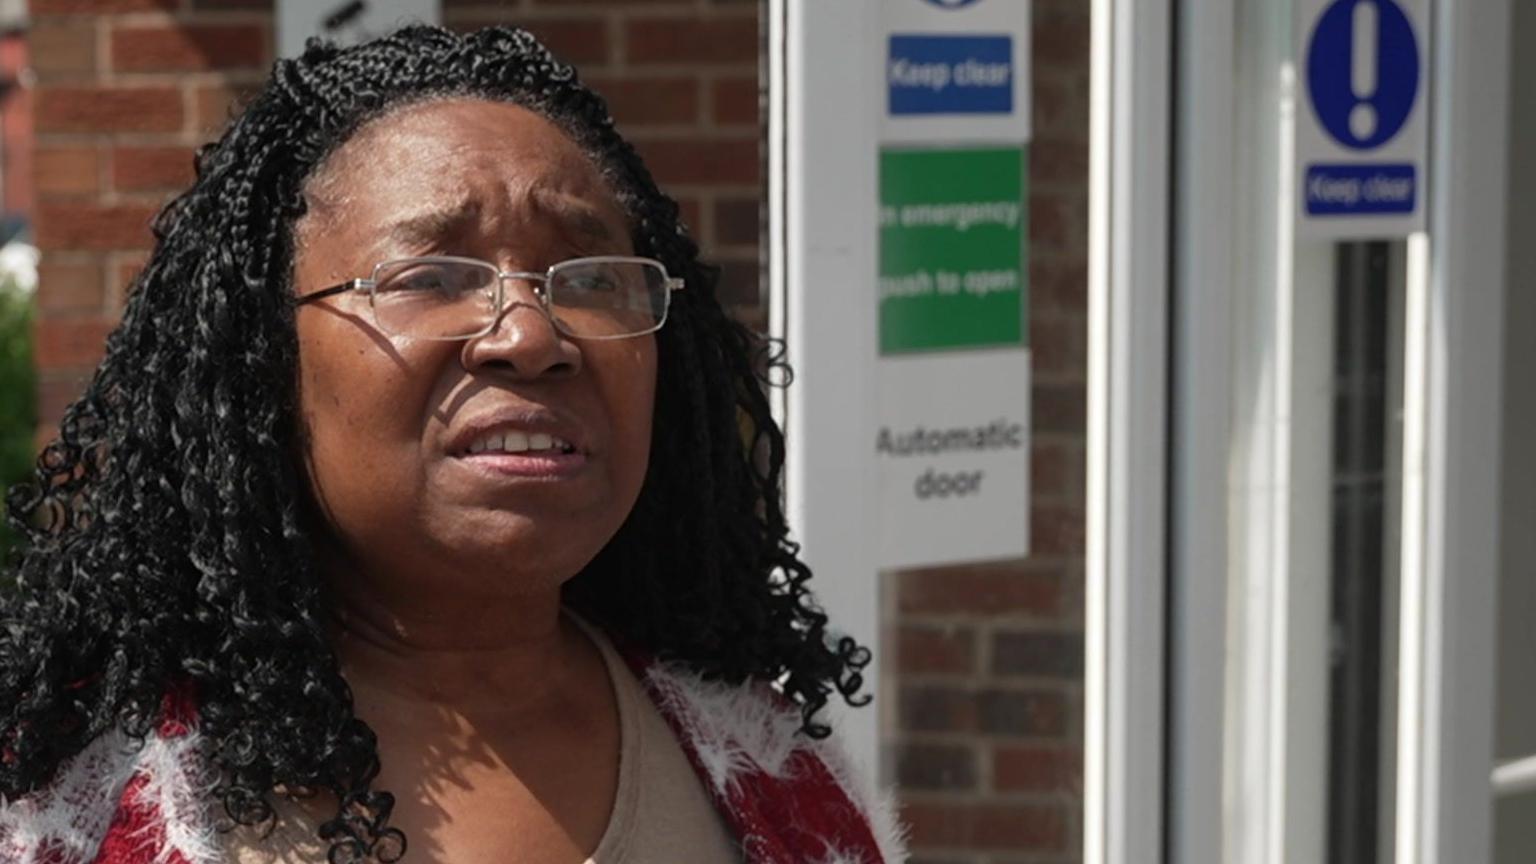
x=789 y=796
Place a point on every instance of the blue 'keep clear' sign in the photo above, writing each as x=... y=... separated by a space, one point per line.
x=1363 y=83
x=933 y=74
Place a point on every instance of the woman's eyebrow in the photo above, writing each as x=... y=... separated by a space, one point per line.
x=581 y=222
x=432 y=225
x=577 y=218
x=590 y=227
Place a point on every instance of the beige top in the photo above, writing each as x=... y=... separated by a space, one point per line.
x=661 y=813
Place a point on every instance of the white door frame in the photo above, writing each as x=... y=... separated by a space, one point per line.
x=1250 y=804
x=1204 y=266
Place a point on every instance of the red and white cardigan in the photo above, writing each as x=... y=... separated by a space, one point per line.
x=788 y=799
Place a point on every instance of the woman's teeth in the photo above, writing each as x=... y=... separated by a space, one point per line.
x=519 y=442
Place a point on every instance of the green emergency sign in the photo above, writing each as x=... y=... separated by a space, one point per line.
x=953 y=227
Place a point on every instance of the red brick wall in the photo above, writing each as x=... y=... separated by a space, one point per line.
x=986 y=692
x=125 y=89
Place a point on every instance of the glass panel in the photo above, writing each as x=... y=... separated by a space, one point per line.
x=1362 y=720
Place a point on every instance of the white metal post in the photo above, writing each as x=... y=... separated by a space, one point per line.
x=1129 y=162
x=824 y=168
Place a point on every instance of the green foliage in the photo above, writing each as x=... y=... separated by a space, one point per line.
x=18 y=396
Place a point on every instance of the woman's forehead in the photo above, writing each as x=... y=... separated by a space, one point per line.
x=584 y=223
x=432 y=166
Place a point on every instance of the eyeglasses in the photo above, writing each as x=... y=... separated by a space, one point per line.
x=447 y=298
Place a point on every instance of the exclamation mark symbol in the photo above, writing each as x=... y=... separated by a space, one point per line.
x=1363 y=63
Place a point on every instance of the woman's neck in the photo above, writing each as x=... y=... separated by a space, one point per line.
x=510 y=656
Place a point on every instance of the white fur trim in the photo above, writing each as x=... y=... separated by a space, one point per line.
x=737 y=729
x=733 y=729
x=73 y=813
x=71 y=816
x=837 y=856
x=179 y=783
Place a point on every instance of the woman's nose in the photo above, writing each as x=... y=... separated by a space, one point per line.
x=524 y=338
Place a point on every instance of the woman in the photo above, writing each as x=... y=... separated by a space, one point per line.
x=421 y=406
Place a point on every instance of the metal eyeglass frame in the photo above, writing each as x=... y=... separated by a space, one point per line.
x=539 y=281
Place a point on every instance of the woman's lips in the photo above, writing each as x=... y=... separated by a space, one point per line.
x=549 y=464
x=528 y=442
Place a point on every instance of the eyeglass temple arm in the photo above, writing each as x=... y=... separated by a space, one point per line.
x=349 y=285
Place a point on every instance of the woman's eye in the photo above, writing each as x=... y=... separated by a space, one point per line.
x=428 y=280
x=594 y=282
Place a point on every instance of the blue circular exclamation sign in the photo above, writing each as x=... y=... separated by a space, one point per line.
x=1363 y=71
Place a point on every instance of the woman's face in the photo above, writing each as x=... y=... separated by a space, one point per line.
x=391 y=420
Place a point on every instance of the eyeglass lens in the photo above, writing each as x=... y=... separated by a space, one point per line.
x=432 y=299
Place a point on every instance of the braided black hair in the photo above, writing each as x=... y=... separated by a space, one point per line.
x=167 y=537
